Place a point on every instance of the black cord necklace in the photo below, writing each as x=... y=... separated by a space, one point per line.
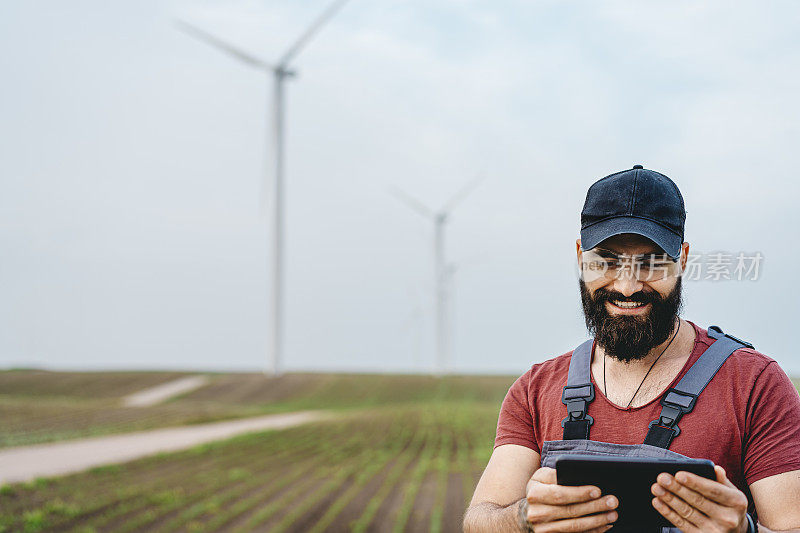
x=648 y=370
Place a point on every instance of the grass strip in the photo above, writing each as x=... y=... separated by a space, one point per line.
x=338 y=471
x=339 y=476
x=320 y=462
x=92 y=497
x=413 y=485
x=371 y=509
x=151 y=515
x=442 y=465
x=216 y=521
x=361 y=480
x=201 y=485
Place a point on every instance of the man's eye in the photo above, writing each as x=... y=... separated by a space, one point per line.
x=608 y=264
x=598 y=265
x=655 y=265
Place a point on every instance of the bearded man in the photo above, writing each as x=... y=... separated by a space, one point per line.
x=643 y=388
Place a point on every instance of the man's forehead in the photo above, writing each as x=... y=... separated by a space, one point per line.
x=632 y=243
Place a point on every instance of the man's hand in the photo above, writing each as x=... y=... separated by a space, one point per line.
x=554 y=508
x=699 y=505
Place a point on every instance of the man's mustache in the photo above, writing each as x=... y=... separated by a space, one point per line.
x=605 y=295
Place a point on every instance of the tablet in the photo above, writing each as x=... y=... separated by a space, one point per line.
x=629 y=479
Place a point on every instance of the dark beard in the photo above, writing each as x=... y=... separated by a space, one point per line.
x=626 y=337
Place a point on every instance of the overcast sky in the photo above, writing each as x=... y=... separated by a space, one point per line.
x=132 y=156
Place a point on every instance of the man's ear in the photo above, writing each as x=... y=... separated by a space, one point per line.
x=684 y=255
x=578 y=256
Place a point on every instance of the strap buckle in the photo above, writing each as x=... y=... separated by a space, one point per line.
x=577 y=399
x=675 y=429
x=674 y=404
x=587 y=418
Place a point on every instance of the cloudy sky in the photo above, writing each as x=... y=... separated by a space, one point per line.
x=132 y=158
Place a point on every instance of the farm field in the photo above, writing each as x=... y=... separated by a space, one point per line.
x=41 y=406
x=403 y=468
x=403 y=454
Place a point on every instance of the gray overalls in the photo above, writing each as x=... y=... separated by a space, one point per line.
x=676 y=402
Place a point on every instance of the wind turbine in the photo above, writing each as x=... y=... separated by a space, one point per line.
x=279 y=72
x=412 y=326
x=442 y=270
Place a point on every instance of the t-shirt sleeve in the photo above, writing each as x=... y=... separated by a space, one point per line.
x=515 y=423
x=773 y=437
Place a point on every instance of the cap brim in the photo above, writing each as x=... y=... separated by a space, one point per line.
x=664 y=238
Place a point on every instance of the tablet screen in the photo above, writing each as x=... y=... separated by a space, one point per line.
x=629 y=479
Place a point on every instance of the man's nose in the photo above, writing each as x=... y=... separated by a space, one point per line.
x=626 y=283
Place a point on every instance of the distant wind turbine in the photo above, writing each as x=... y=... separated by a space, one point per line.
x=442 y=270
x=412 y=326
x=279 y=71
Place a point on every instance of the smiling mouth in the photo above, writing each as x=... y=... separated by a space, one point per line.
x=627 y=306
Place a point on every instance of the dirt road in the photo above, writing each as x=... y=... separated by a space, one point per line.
x=165 y=391
x=47 y=460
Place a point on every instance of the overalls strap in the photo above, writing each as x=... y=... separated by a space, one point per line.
x=681 y=399
x=578 y=393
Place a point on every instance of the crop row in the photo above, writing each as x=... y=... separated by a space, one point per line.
x=380 y=470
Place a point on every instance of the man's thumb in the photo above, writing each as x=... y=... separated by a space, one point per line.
x=722 y=477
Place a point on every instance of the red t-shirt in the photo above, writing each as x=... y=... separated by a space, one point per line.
x=747 y=419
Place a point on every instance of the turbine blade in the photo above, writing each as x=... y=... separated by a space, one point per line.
x=412 y=202
x=216 y=42
x=306 y=37
x=462 y=194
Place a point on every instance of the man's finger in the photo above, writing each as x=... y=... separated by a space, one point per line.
x=545 y=475
x=548 y=513
x=719 y=492
x=542 y=488
x=686 y=507
x=676 y=519
x=559 y=494
x=587 y=523
x=722 y=477
x=667 y=484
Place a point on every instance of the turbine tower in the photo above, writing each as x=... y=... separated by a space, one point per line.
x=279 y=72
x=442 y=270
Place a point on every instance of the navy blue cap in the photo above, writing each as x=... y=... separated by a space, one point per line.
x=634 y=201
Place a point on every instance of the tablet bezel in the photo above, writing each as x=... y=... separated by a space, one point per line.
x=629 y=479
